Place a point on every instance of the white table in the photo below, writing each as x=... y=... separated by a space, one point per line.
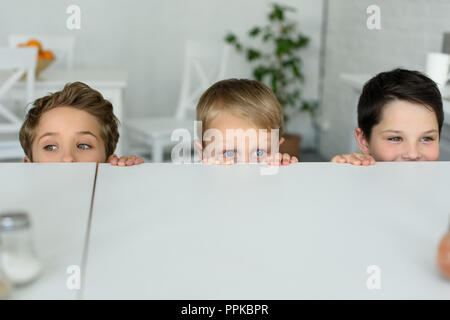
x=357 y=81
x=110 y=83
x=57 y=197
x=165 y=231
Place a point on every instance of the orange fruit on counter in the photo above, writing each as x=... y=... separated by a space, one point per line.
x=42 y=54
x=47 y=54
x=35 y=43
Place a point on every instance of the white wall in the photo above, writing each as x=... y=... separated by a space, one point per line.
x=409 y=29
x=146 y=37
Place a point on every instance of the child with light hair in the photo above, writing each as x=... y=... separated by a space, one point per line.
x=241 y=121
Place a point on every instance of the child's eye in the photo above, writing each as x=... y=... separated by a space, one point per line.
x=427 y=139
x=84 y=146
x=50 y=147
x=260 y=153
x=229 y=153
x=395 y=139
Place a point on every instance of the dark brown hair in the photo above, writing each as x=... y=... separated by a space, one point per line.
x=80 y=96
x=398 y=84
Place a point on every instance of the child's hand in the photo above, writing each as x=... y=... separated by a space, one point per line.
x=124 y=161
x=282 y=159
x=356 y=158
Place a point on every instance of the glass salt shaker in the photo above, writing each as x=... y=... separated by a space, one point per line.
x=18 y=259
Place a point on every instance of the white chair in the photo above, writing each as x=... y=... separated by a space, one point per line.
x=202 y=67
x=14 y=63
x=61 y=46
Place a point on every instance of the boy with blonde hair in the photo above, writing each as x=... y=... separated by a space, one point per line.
x=241 y=121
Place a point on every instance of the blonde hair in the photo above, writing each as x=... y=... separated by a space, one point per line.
x=249 y=99
x=80 y=96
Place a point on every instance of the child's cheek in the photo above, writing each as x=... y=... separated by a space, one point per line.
x=431 y=152
x=45 y=157
x=385 y=151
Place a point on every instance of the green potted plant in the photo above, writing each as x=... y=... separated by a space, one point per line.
x=277 y=63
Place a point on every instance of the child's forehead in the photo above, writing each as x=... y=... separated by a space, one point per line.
x=404 y=113
x=67 y=118
x=229 y=119
x=232 y=116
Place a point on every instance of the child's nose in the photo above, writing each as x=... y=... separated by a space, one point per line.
x=412 y=153
x=67 y=157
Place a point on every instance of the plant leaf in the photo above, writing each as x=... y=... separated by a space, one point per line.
x=267 y=36
x=254 y=32
x=277 y=14
x=230 y=38
x=302 y=41
x=253 y=54
x=260 y=72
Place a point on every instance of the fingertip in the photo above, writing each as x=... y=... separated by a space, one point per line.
x=337 y=159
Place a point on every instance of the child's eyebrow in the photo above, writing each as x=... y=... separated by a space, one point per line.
x=87 y=132
x=398 y=131
x=48 y=134
x=393 y=131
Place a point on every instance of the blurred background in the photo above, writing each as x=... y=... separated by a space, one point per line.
x=152 y=58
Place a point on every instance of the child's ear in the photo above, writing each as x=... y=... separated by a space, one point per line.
x=199 y=147
x=361 y=140
x=26 y=160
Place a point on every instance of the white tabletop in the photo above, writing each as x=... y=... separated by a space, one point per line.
x=57 y=197
x=165 y=231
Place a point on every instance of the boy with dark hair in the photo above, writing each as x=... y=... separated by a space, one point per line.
x=400 y=117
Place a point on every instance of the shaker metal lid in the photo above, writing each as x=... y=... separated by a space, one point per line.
x=14 y=221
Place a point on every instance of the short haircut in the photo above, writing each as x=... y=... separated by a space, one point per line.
x=249 y=99
x=82 y=97
x=398 y=84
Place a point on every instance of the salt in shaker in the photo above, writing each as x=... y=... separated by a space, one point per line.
x=18 y=258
